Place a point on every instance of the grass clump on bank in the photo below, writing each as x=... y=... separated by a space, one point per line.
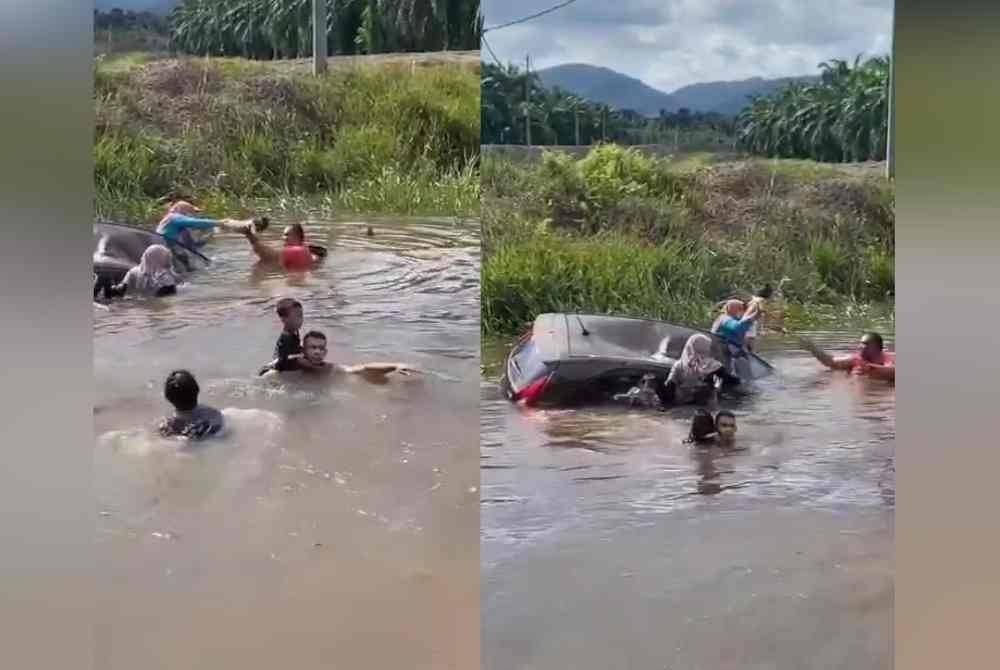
x=376 y=139
x=622 y=232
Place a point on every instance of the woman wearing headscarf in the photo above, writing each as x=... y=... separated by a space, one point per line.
x=179 y=220
x=695 y=376
x=152 y=277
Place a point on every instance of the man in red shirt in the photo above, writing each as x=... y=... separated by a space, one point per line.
x=870 y=358
x=294 y=255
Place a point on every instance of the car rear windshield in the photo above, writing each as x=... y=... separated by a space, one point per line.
x=526 y=364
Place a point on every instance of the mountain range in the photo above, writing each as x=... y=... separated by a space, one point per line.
x=155 y=6
x=604 y=85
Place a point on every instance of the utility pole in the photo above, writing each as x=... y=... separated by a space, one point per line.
x=890 y=143
x=527 y=100
x=319 y=37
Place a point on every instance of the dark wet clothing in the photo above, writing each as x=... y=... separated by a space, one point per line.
x=198 y=423
x=288 y=345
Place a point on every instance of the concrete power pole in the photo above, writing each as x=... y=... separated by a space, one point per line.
x=890 y=143
x=319 y=37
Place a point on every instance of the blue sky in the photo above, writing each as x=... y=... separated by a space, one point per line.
x=671 y=43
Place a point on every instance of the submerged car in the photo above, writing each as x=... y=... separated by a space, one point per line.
x=572 y=358
x=119 y=247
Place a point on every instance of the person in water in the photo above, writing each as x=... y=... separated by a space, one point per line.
x=314 y=354
x=720 y=430
x=288 y=348
x=190 y=419
x=869 y=359
x=294 y=255
x=643 y=395
x=152 y=277
x=179 y=220
x=696 y=377
x=736 y=321
x=756 y=305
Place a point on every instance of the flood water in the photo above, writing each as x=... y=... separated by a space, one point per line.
x=607 y=542
x=334 y=524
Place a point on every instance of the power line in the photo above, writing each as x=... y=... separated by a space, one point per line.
x=530 y=17
x=490 y=49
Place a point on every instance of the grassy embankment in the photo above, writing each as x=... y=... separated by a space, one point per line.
x=626 y=232
x=243 y=136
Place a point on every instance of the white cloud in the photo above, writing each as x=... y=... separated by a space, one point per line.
x=671 y=43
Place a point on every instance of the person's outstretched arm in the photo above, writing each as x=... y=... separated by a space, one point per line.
x=264 y=252
x=198 y=223
x=379 y=368
x=832 y=362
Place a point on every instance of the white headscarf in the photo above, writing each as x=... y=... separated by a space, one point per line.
x=153 y=272
x=694 y=365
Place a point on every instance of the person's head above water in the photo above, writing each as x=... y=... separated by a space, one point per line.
x=735 y=308
x=765 y=292
x=702 y=427
x=295 y=235
x=290 y=312
x=181 y=390
x=156 y=258
x=696 y=357
x=314 y=347
x=725 y=426
x=870 y=347
x=182 y=207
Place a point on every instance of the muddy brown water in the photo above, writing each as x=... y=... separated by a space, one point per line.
x=333 y=525
x=607 y=542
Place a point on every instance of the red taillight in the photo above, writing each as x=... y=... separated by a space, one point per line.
x=532 y=391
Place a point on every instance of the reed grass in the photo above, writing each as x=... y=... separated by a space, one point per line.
x=376 y=139
x=621 y=232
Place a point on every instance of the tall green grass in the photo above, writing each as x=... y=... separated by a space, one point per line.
x=378 y=139
x=625 y=233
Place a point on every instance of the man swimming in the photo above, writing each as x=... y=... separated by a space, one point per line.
x=314 y=353
x=869 y=359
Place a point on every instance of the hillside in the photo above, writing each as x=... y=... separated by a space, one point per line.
x=613 y=88
x=607 y=86
x=728 y=97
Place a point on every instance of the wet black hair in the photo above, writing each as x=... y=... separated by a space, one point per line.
x=722 y=413
x=181 y=390
x=875 y=337
x=314 y=334
x=286 y=305
x=298 y=230
x=702 y=427
x=765 y=292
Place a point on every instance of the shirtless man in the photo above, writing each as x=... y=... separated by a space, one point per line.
x=870 y=358
x=314 y=353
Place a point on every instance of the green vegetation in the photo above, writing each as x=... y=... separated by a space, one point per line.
x=232 y=131
x=842 y=117
x=120 y=31
x=622 y=232
x=271 y=29
x=556 y=116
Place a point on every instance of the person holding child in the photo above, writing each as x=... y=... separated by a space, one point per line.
x=308 y=354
